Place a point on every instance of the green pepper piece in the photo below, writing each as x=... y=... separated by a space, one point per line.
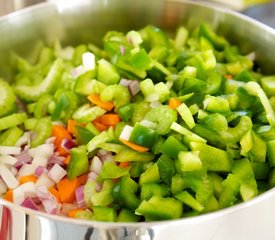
x=143 y=136
x=112 y=171
x=83 y=135
x=214 y=159
x=85 y=215
x=126 y=111
x=230 y=189
x=77 y=55
x=271 y=180
x=216 y=104
x=172 y=147
x=42 y=130
x=159 y=208
x=126 y=154
x=61 y=105
x=166 y=168
x=126 y=215
x=244 y=76
x=117 y=93
x=178 y=183
x=261 y=170
x=140 y=110
x=163 y=116
x=188 y=161
x=271 y=152
x=243 y=170
x=151 y=175
x=104 y=214
x=124 y=193
x=268 y=85
x=213 y=82
x=153 y=189
x=107 y=73
x=216 y=122
x=186 y=198
x=79 y=162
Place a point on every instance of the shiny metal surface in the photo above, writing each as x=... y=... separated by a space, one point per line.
x=76 y=21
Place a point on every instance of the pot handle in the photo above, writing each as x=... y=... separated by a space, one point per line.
x=13 y=224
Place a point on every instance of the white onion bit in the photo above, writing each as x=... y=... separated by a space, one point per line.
x=126 y=132
x=57 y=173
x=8 y=177
x=7 y=150
x=7 y=159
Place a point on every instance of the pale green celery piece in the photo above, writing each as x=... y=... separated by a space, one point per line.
x=181 y=37
x=103 y=137
x=188 y=161
x=182 y=130
x=86 y=113
x=186 y=115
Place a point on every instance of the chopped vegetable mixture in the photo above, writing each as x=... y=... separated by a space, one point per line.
x=149 y=127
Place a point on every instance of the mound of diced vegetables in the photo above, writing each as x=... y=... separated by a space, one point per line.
x=148 y=127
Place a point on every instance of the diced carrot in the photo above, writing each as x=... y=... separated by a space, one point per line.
x=95 y=99
x=99 y=126
x=55 y=193
x=108 y=119
x=67 y=159
x=62 y=151
x=66 y=188
x=124 y=164
x=60 y=133
x=174 y=103
x=71 y=126
x=27 y=178
x=228 y=76
x=134 y=146
x=8 y=195
x=73 y=212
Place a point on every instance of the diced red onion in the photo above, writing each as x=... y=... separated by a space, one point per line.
x=43 y=150
x=29 y=203
x=43 y=193
x=77 y=71
x=7 y=159
x=57 y=173
x=88 y=61
x=44 y=180
x=79 y=194
x=3 y=187
x=9 y=150
x=96 y=165
x=122 y=50
x=108 y=158
x=125 y=82
x=27 y=169
x=126 y=132
x=55 y=159
x=39 y=170
x=22 y=159
x=68 y=144
x=51 y=206
x=92 y=176
x=134 y=87
x=102 y=153
x=8 y=177
x=66 y=208
x=23 y=140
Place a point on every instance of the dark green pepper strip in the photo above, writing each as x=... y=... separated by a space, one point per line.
x=271 y=152
x=79 y=163
x=32 y=93
x=159 y=208
x=172 y=147
x=143 y=136
x=83 y=135
x=261 y=170
x=215 y=121
x=124 y=193
x=126 y=111
x=166 y=168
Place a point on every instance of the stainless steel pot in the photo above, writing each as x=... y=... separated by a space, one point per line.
x=83 y=21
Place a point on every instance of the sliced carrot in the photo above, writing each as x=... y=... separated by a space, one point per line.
x=73 y=212
x=108 y=119
x=66 y=188
x=134 y=146
x=174 y=103
x=55 y=193
x=60 y=133
x=228 y=76
x=124 y=164
x=95 y=99
x=62 y=151
x=71 y=126
x=27 y=178
x=8 y=195
x=99 y=126
x=67 y=159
